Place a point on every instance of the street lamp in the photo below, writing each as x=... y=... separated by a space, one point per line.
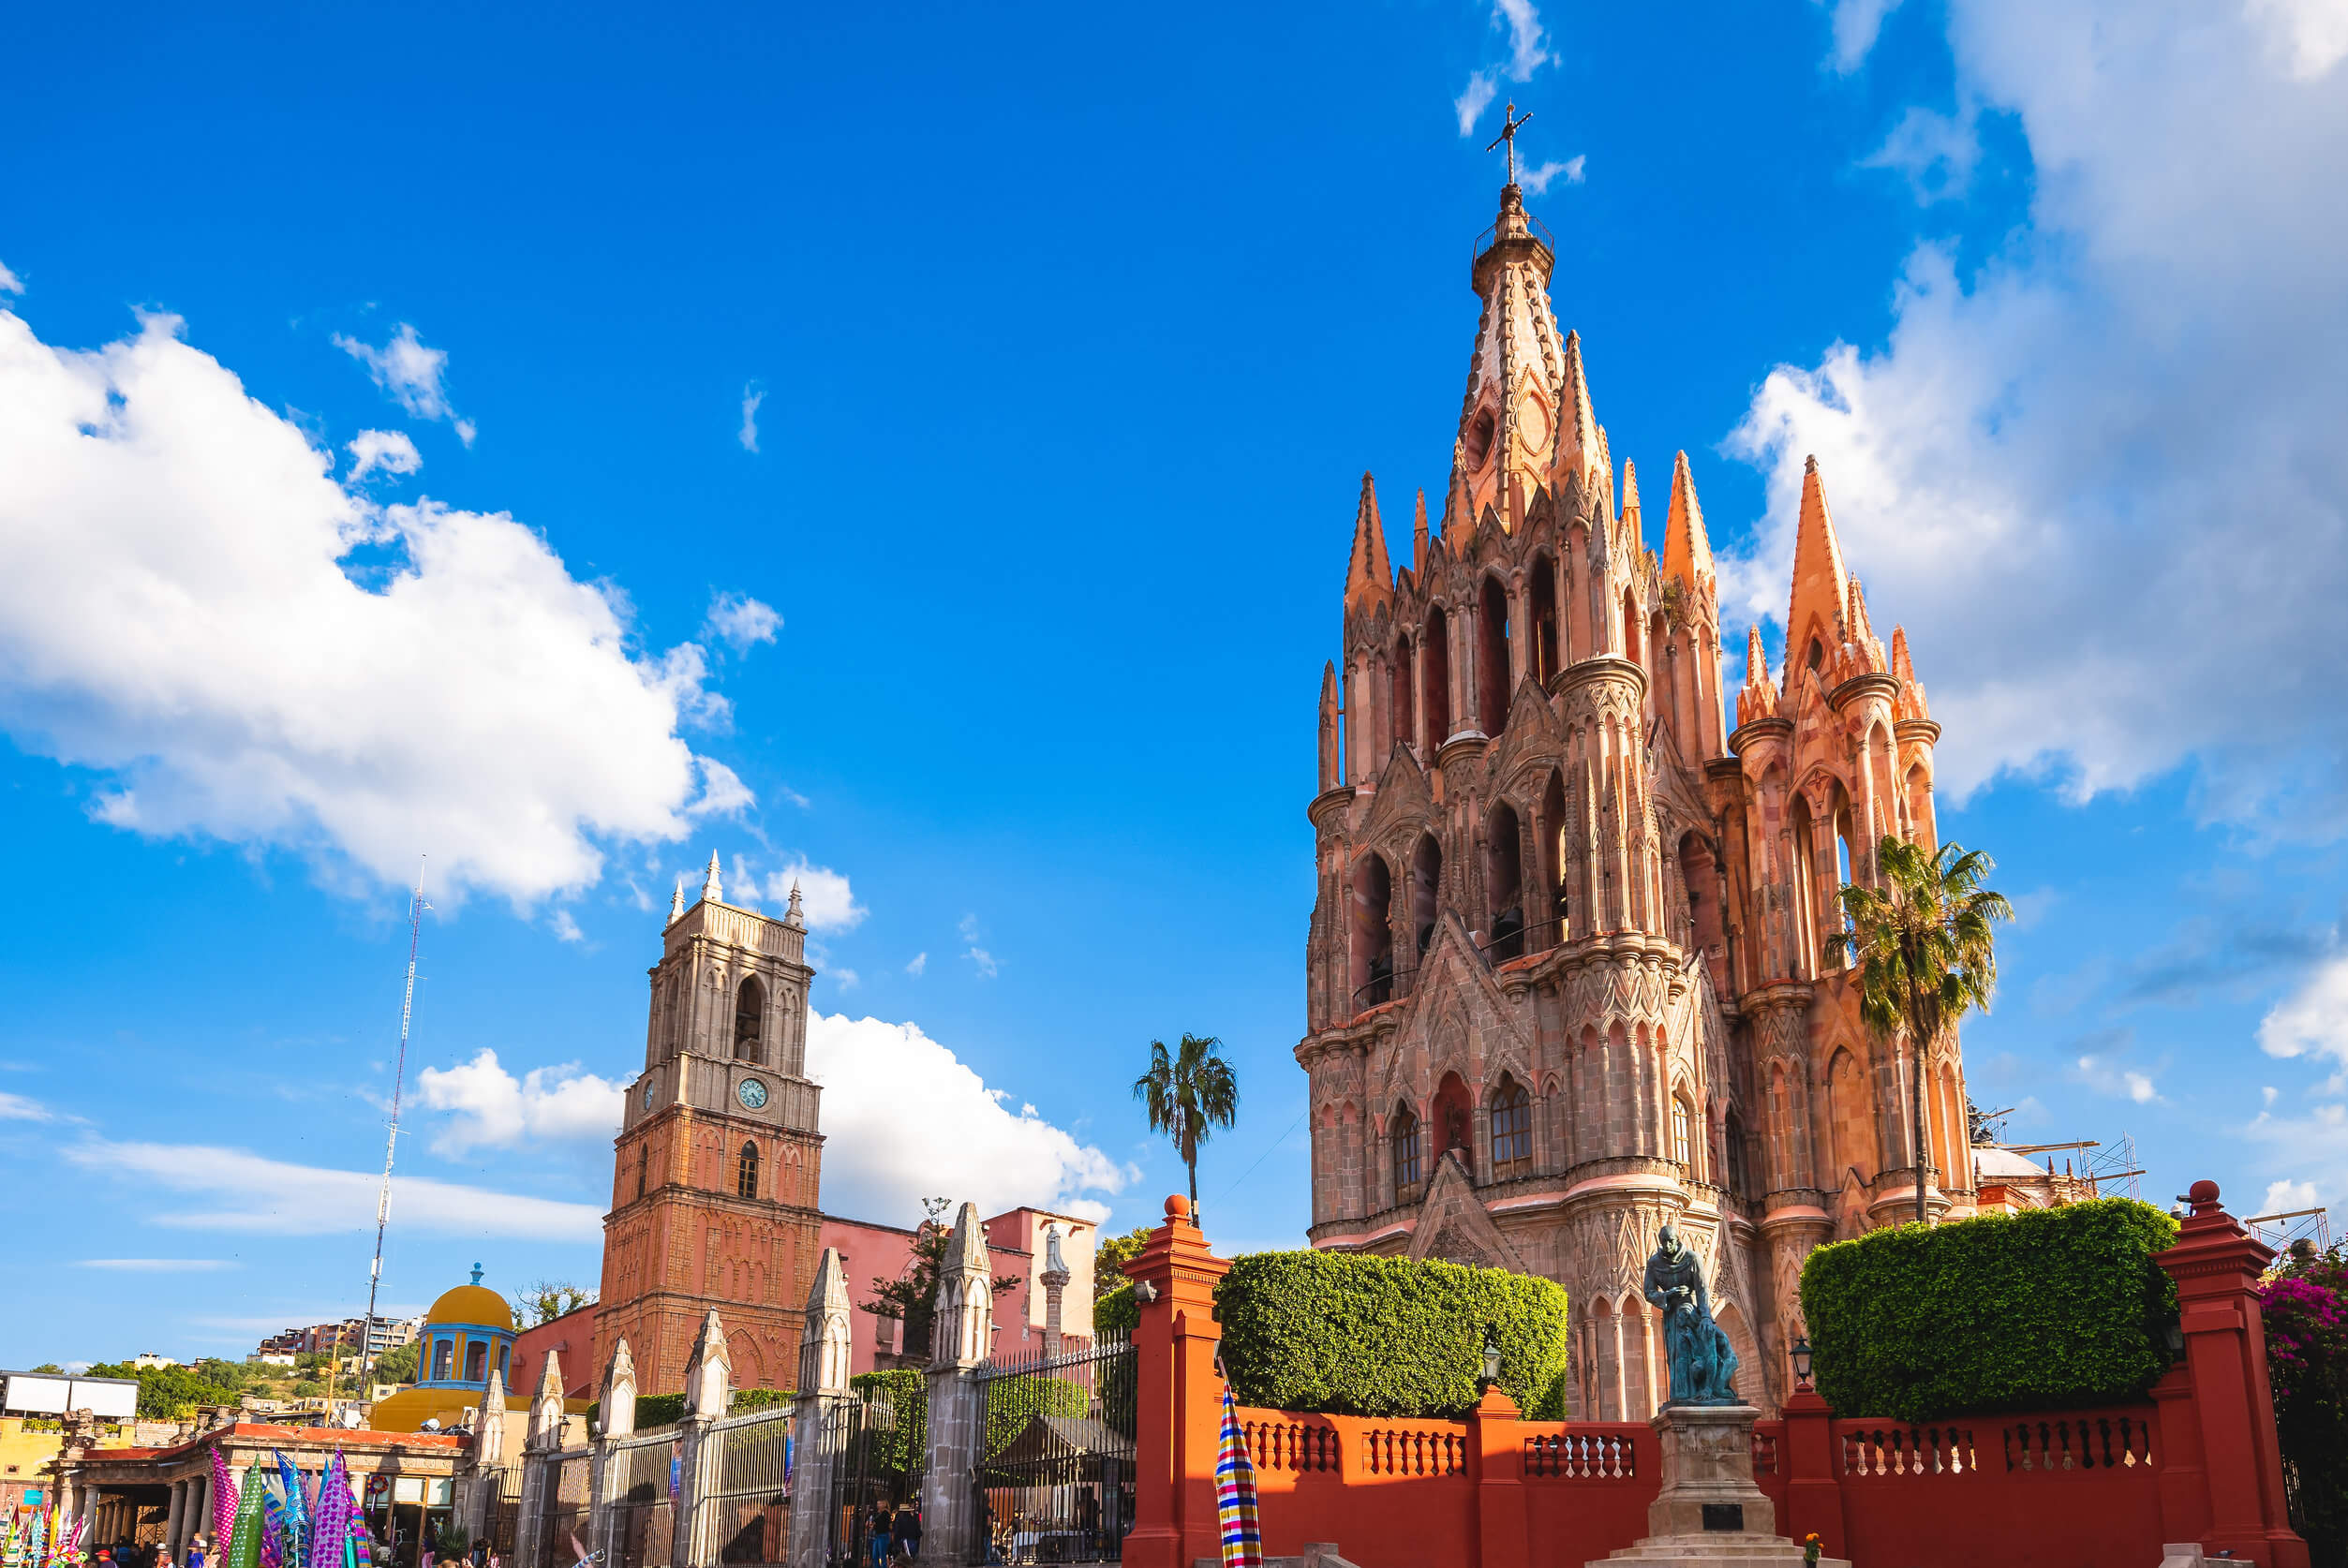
x=1491 y=1358
x=1801 y=1362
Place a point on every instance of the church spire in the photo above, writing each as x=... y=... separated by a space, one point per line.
x=712 y=890
x=1578 y=448
x=1508 y=420
x=1819 y=610
x=1631 y=530
x=676 y=901
x=1332 y=759
x=1686 y=550
x=1759 y=700
x=1369 y=580
x=1418 y=537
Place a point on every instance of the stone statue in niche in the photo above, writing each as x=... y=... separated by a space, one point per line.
x=1703 y=1363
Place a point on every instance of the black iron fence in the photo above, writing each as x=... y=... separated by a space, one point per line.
x=1056 y=1480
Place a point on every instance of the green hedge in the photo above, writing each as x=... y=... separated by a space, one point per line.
x=1348 y=1334
x=2039 y=1311
x=896 y=1450
x=1117 y=1312
x=667 y=1409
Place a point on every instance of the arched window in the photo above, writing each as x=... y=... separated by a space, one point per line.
x=1503 y=871
x=1434 y=678
x=1544 y=617
x=1402 y=1132
x=1553 y=858
x=1426 y=886
x=1492 y=658
x=746 y=1171
x=750 y=1018
x=1682 y=1135
x=1511 y=1131
x=1632 y=642
x=1699 y=875
x=443 y=1352
x=477 y=1361
x=644 y=1166
x=1403 y=676
x=1372 y=950
x=505 y=1354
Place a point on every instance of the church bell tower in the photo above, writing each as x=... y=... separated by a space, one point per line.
x=714 y=1187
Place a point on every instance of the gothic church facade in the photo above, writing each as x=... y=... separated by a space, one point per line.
x=1567 y=969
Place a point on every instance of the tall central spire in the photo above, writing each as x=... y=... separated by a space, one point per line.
x=1517 y=377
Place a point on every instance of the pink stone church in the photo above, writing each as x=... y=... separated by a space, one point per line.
x=1566 y=975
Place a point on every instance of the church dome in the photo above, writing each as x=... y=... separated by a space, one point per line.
x=475 y=1303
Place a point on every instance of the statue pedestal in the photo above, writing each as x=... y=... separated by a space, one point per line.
x=1710 y=1514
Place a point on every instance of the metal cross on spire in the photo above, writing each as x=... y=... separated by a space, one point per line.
x=1511 y=122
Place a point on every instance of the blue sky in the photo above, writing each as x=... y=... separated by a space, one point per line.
x=915 y=452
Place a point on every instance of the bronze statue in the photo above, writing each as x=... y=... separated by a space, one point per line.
x=1702 y=1364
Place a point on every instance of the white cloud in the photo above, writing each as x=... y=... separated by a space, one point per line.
x=1935 y=152
x=740 y=621
x=752 y=395
x=1523 y=21
x=388 y=450
x=880 y=1079
x=846 y=980
x=412 y=373
x=1537 y=180
x=722 y=792
x=16 y=1107
x=490 y=1107
x=2312 y=1020
x=919 y=962
x=980 y=958
x=1482 y=87
x=825 y=899
x=2099 y=1074
x=2285 y=1196
x=2313 y=1149
x=246 y=650
x=158 y=1265
x=2098 y=475
x=239 y=1191
x=1856 y=23
x=9 y=282
x=566 y=928
x=2306 y=36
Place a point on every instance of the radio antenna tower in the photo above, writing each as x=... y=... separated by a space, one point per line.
x=416 y=906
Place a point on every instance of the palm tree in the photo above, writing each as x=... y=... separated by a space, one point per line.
x=1190 y=1091
x=1925 y=953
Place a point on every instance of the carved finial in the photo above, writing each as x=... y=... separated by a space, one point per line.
x=712 y=890
x=676 y=901
x=794 y=915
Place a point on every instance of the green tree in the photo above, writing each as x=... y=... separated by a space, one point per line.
x=48 y=1367
x=549 y=1300
x=913 y=1295
x=1189 y=1092
x=1925 y=952
x=166 y=1392
x=398 y=1365
x=1111 y=1257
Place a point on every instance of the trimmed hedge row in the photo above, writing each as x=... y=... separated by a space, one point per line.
x=667 y=1409
x=1345 y=1334
x=2039 y=1311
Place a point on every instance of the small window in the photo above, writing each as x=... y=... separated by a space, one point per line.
x=477 y=1361
x=1406 y=1140
x=644 y=1166
x=1817 y=656
x=443 y=1352
x=1511 y=1131
x=749 y=1016
x=505 y=1355
x=746 y=1171
x=1681 y=1129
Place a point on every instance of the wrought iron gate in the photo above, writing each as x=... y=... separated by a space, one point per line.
x=565 y=1509
x=643 y=1469
x=880 y=1468
x=1056 y=1480
x=748 y=1517
x=504 y=1513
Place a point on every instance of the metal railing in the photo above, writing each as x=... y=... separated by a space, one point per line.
x=1383 y=989
x=636 y=1488
x=748 y=1515
x=1534 y=229
x=1516 y=944
x=1056 y=1477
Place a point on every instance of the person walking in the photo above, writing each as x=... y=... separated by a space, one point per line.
x=196 y=1552
x=881 y=1537
x=909 y=1531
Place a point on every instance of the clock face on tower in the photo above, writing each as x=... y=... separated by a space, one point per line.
x=648 y=1094
x=752 y=1093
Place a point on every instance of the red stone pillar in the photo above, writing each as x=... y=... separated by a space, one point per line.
x=1501 y=1535
x=2216 y=1267
x=1178 y=1398
x=1814 y=1496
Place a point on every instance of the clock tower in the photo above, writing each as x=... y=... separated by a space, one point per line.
x=714 y=1187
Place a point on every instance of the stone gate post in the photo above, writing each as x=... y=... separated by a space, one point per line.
x=709 y=1390
x=542 y=1460
x=1496 y=1465
x=1178 y=1402
x=488 y=1458
x=616 y=1418
x=819 y=1416
x=2216 y=1267
x=960 y=1339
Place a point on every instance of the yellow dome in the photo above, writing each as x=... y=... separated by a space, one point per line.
x=476 y=1304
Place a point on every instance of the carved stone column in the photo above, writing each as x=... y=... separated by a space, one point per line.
x=819 y=1418
x=964 y=1336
